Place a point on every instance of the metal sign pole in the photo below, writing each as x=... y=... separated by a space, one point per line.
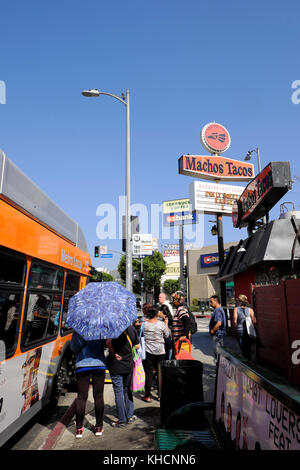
x=142 y=283
x=221 y=257
x=181 y=257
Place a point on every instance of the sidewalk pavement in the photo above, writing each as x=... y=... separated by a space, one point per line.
x=140 y=434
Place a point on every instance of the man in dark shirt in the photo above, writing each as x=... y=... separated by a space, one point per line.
x=217 y=324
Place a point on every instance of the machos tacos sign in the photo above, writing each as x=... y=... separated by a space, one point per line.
x=216 y=139
x=215 y=168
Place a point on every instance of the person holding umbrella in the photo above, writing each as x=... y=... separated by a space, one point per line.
x=90 y=364
x=100 y=311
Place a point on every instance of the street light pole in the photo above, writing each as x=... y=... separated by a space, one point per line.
x=125 y=100
x=128 y=217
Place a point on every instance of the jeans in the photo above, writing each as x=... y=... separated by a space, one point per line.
x=217 y=342
x=245 y=344
x=123 y=396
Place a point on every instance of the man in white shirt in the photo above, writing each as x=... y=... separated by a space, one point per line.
x=163 y=301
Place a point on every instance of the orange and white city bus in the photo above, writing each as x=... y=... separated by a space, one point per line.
x=43 y=262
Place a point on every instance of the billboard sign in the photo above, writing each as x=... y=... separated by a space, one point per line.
x=262 y=193
x=178 y=212
x=210 y=259
x=211 y=198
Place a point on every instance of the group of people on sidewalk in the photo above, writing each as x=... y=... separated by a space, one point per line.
x=162 y=328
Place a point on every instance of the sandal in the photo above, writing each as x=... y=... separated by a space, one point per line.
x=146 y=399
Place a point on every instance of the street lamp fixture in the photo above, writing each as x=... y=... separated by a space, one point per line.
x=90 y=93
x=125 y=100
x=248 y=157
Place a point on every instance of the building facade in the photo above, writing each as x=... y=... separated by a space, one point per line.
x=202 y=269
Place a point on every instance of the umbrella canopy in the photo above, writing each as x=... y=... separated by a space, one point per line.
x=102 y=310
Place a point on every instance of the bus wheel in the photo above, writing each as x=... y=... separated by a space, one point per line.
x=61 y=380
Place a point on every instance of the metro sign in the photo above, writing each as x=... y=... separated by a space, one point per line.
x=215 y=168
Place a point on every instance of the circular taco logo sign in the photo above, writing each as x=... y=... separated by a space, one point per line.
x=215 y=138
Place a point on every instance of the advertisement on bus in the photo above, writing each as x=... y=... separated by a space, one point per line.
x=23 y=382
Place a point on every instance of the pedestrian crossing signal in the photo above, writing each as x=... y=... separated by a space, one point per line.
x=97 y=251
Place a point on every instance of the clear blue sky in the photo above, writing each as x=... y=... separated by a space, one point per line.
x=185 y=64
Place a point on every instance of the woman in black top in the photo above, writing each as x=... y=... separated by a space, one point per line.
x=120 y=366
x=164 y=312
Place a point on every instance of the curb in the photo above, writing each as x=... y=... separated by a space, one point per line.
x=59 y=428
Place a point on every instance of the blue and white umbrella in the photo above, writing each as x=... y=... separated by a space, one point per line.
x=102 y=310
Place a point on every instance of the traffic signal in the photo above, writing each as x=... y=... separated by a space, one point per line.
x=142 y=277
x=185 y=271
x=97 y=250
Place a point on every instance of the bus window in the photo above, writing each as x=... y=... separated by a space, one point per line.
x=44 y=277
x=12 y=275
x=72 y=283
x=12 y=270
x=42 y=310
x=72 y=286
x=43 y=303
x=10 y=307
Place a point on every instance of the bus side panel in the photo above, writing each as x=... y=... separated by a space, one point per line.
x=24 y=381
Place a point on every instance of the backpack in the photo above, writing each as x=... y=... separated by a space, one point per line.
x=193 y=322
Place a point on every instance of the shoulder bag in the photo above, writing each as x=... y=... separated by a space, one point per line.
x=138 y=374
x=142 y=348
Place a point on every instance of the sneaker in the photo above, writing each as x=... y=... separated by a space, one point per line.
x=98 y=431
x=132 y=419
x=117 y=424
x=79 y=432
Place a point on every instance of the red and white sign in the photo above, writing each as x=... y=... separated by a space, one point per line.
x=215 y=138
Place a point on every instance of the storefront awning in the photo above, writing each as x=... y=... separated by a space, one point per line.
x=272 y=242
